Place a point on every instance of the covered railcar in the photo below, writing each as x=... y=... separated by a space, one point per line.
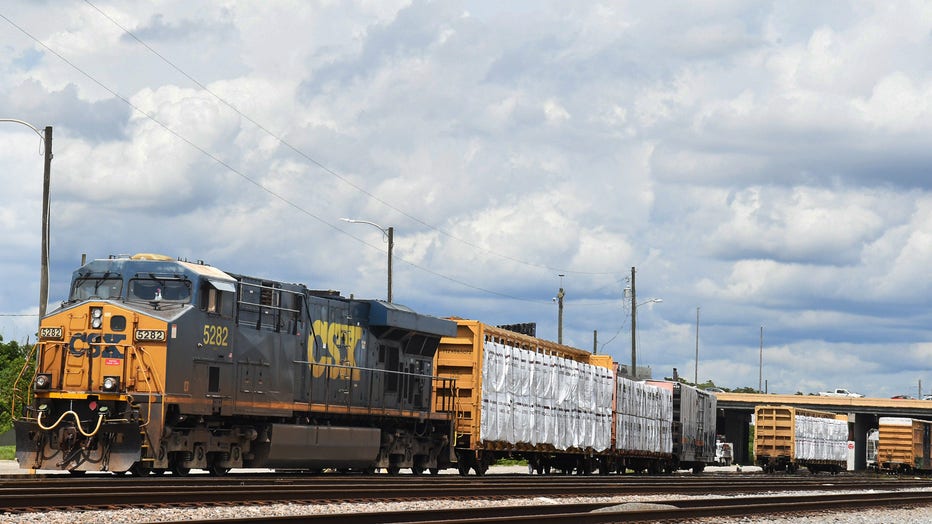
x=154 y=364
x=904 y=445
x=787 y=437
x=643 y=436
x=522 y=396
x=693 y=427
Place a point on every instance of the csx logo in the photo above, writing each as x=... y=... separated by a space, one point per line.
x=92 y=345
x=336 y=345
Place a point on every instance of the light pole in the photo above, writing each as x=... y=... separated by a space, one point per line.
x=388 y=232
x=46 y=182
x=634 y=317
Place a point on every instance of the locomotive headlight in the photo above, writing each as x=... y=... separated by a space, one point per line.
x=111 y=383
x=97 y=317
x=43 y=381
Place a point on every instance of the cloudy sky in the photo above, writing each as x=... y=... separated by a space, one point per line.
x=765 y=162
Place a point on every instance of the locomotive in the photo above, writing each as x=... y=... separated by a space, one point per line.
x=154 y=364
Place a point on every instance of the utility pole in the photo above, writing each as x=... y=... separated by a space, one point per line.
x=560 y=296
x=760 y=369
x=595 y=342
x=46 y=182
x=696 y=376
x=634 y=316
x=391 y=244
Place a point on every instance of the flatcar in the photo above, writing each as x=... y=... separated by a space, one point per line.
x=787 y=438
x=154 y=364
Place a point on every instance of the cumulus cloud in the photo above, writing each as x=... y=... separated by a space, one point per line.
x=764 y=162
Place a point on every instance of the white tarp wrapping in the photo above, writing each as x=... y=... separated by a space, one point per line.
x=537 y=399
x=820 y=438
x=644 y=418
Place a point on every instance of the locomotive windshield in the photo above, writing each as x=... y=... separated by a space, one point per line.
x=154 y=289
x=96 y=287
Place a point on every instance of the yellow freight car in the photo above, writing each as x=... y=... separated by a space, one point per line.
x=787 y=437
x=521 y=396
x=905 y=444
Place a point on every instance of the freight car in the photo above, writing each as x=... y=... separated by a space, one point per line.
x=518 y=395
x=786 y=438
x=155 y=364
x=563 y=408
x=693 y=427
x=903 y=445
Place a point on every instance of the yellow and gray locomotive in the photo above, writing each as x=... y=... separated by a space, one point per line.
x=155 y=364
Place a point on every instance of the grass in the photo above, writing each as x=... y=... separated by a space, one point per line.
x=7 y=452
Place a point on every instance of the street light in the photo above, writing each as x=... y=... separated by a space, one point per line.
x=390 y=233
x=46 y=181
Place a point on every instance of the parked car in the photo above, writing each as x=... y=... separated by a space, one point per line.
x=906 y=397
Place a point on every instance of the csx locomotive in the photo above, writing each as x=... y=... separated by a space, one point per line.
x=155 y=364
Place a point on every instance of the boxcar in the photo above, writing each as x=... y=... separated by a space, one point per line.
x=904 y=444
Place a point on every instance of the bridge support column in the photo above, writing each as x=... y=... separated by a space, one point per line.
x=858 y=425
x=735 y=425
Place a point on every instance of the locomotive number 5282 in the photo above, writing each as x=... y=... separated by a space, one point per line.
x=216 y=335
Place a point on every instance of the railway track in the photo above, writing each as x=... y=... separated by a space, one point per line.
x=674 y=510
x=26 y=494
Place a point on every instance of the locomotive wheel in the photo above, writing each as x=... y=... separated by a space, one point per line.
x=416 y=470
x=393 y=470
x=434 y=471
x=180 y=470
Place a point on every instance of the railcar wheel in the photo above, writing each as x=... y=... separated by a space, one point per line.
x=218 y=471
x=138 y=470
x=180 y=470
x=393 y=470
x=417 y=470
x=434 y=471
x=463 y=468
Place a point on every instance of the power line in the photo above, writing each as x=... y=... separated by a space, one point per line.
x=247 y=177
x=327 y=169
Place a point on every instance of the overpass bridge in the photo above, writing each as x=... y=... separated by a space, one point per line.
x=735 y=410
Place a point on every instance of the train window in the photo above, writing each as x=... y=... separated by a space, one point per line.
x=159 y=289
x=88 y=287
x=217 y=297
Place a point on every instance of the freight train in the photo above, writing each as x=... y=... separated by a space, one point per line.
x=154 y=364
